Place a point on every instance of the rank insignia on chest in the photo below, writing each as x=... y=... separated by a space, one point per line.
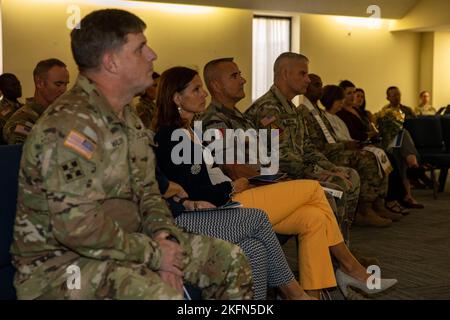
x=117 y=142
x=72 y=170
x=80 y=144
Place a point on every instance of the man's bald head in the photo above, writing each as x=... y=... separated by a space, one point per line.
x=315 y=88
x=285 y=60
x=224 y=81
x=291 y=74
x=211 y=71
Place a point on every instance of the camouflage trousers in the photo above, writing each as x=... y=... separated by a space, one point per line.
x=373 y=185
x=217 y=267
x=345 y=207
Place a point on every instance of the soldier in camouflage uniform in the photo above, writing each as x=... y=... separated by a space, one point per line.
x=226 y=86
x=394 y=96
x=298 y=156
x=146 y=107
x=218 y=116
x=50 y=78
x=88 y=195
x=373 y=185
x=11 y=90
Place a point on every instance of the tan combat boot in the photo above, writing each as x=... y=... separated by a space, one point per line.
x=367 y=217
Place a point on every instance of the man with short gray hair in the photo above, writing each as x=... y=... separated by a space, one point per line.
x=88 y=197
x=50 y=79
x=298 y=156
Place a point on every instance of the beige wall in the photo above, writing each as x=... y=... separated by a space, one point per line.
x=189 y=36
x=427 y=62
x=373 y=59
x=435 y=67
x=441 y=77
x=426 y=14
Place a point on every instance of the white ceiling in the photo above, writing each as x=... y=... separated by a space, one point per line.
x=390 y=9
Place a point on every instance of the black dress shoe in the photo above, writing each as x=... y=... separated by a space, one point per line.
x=411 y=205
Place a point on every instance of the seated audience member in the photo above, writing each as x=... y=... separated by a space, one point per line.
x=416 y=175
x=226 y=86
x=394 y=96
x=369 y=119
x=180 y=97
x=374 y=183
x=333 y=101
x=10 y=90
x=299 y=157
x=248 y=228
x=88 y=198
x=398 y=142
x=357 y=126
x=146 y=106
x=425 y=108
x=50 y=79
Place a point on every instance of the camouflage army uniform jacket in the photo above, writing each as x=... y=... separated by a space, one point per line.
x=7 y=109
x=87 y=188
x=218 y=116
x=298 y=156
x=316 y=133
x=146 y=111
x=22 y=121
x=407 y=111
x=390 y=122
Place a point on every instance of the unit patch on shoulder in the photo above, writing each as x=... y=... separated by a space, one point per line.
x=72 y=170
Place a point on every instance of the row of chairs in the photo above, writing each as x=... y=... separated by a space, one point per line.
x=431 y=135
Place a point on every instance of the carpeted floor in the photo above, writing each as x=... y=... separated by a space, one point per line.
x=415 y=250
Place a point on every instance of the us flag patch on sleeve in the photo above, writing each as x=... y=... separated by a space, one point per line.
x=80 y=144
x=22 y=129
x=268 y=120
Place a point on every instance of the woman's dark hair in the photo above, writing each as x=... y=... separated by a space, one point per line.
x=331 y=93
x=172 y=81
x=363 y=106
x=344 y=84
